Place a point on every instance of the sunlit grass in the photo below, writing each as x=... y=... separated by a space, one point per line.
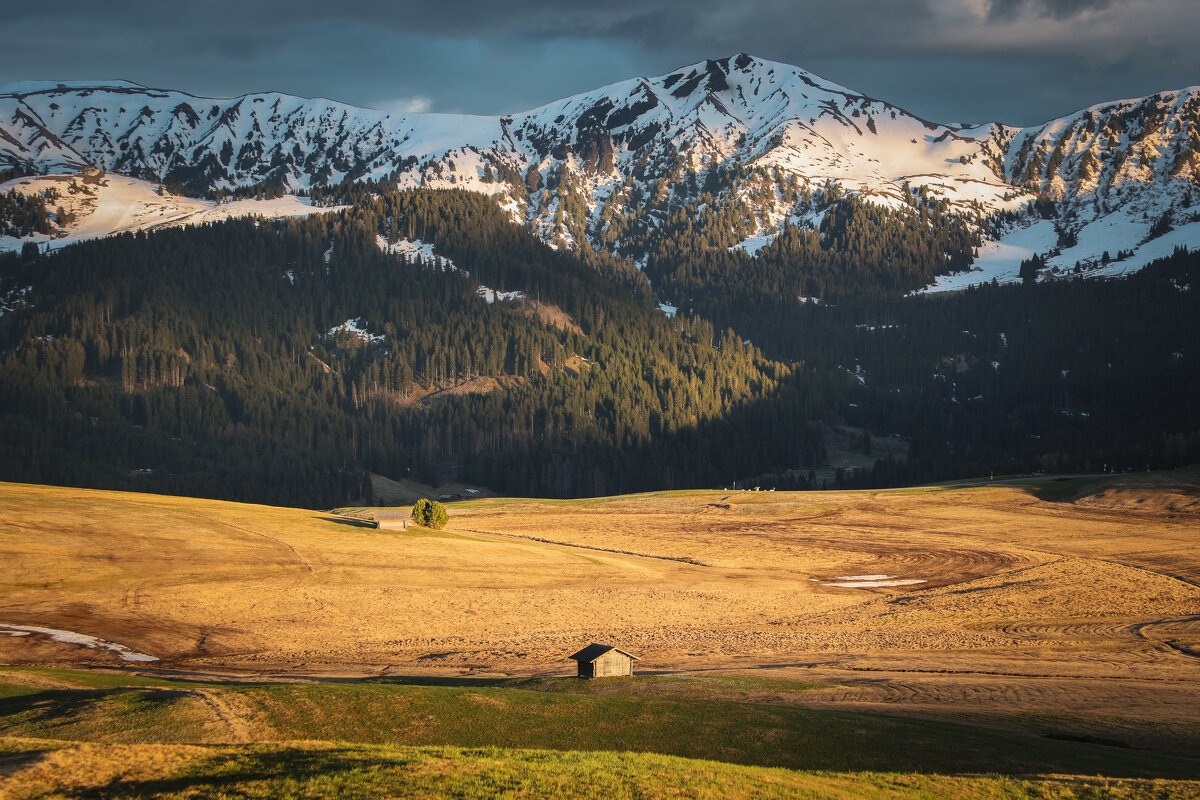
x=312 y=770
x=731 y=719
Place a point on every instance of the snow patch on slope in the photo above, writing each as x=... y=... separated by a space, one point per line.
x=1115 y=232
x=355 y=328
x=82 y=639
x=753 y=244
x=1000 y=260
x=491 y=295
x=414 y=250
x=123 y=205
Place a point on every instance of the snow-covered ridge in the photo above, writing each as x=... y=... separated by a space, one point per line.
x=1141 y=155
x=742 y=109
x=218 y=142
x=750 y=131
x=1125 y=180
x=103 y=205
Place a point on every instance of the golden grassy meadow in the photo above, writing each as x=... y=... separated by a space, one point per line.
x=1068 y=609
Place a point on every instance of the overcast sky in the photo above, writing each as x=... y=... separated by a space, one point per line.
x=1016 y=61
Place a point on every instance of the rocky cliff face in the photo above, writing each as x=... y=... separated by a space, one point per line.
x=1139 y=155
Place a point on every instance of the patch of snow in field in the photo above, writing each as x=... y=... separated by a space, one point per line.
x=289 y=205
x=872 y=584
x=870 y=581
x=91 y=642
x=13 y=244
x=670 y=311
x=13 y=299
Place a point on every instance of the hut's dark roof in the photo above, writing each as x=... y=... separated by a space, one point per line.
x=594 y=651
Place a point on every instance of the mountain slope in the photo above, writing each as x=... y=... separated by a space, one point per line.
x=281 y=361
x=1105 y=156
x=1118 y=184
x=742 y=108
x=95 y=206
x=285 y=361
x=758 y=140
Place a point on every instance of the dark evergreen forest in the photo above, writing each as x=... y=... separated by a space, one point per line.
x=213 y=361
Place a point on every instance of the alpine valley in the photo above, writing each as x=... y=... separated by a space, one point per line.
x=736 y=272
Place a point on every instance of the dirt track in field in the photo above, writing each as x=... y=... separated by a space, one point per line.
x=1027 y=606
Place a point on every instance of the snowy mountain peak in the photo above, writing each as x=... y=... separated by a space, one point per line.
x=761 y=141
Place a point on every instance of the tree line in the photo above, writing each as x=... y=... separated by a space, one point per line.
x=207 y=361
x=215 y=360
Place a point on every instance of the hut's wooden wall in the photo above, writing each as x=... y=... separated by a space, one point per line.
x=611 y=664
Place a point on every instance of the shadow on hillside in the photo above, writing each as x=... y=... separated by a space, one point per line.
x=235 y=774
x=1173 y=491
x=754 y=734
x=11 y=762
x=52 y=709
x=366 y=772
x=353 y=523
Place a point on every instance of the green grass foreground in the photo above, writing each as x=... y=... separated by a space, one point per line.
x=363 y=772
x=649 y=737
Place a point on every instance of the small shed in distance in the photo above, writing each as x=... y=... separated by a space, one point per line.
x=604 y=661
x=391 y=520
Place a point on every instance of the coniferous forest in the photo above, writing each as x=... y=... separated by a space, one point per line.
x=283 y=361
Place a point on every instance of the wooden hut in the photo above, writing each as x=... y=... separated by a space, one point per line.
x=391 y=520
x=604 y=661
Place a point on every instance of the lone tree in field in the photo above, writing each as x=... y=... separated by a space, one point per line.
x=429 y=514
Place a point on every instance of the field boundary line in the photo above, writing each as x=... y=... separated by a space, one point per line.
x=681 y=559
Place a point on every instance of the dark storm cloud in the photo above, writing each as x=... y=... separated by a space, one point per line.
x=1016 y=60
x=661 y=24
x=1059 y=9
